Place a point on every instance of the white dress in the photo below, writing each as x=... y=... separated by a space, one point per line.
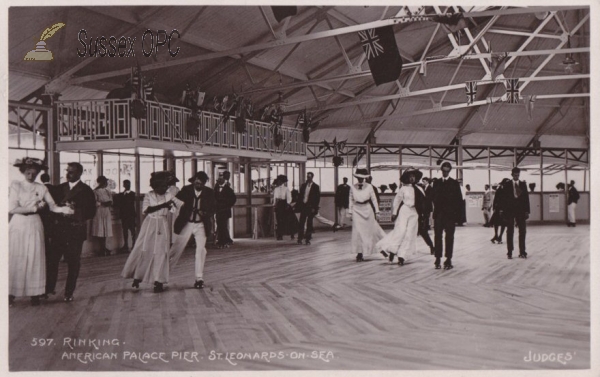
x=149 y=261
x=102 y=222
x=402 y=239
x=366 y=231
x=26 y=250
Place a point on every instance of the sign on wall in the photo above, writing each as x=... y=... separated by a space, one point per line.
x=385 y=210
x=474 y=201
x=554 y=203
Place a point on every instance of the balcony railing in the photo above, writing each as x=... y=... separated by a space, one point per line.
x=110 y=119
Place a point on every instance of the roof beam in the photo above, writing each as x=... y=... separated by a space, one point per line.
x=444 y=108
x=523 y=34
x=445 y=88
x=299 y=39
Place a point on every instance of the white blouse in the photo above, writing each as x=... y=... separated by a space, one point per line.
x=362 y=196
x=24 y=196
x=152 y=199
x=283 y=193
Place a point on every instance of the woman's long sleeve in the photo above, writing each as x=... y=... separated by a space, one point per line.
x=13 y=201
x=398 y=199
x=374 y=200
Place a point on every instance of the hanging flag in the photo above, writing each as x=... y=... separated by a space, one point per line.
x=382 y=53
x=452 y=22
x=529 y=102
x=201 y=96
x=471 y=91
x=512 y=90
x=498 y=65
x=282 y=12
x=148 y=89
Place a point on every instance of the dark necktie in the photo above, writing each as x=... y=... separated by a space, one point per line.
x=360 y=186
x=196 y=209
x=517 y=189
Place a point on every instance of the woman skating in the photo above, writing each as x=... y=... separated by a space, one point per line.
x=149 y=259
x=366 y=231
x=26 y=249
x=406 y=209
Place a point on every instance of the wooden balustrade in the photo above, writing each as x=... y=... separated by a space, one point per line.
x=110 y=119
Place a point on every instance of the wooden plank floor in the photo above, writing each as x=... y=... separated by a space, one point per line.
x=279 y=306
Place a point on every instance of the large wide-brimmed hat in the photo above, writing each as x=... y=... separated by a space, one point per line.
x=416 y=172
x=199 y=175
x=361 y=173
x=171 y=177
x=282 y=178
x=31 y=162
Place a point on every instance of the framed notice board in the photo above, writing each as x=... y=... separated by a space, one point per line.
x=385 y=210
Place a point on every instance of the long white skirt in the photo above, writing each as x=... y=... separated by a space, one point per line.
x=26 y=256
x=102 y=223
x=403 y=238
x=366 y=231
x=149 y=260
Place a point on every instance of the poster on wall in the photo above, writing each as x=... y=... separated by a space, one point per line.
x=385 y=210
x=474 y=201
x=554 y=203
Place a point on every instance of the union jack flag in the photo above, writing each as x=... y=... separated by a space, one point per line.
x=370 y=43
x=512 y=90
x=471 y=90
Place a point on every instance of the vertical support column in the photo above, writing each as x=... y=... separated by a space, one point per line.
x=336 y=180
x=136 y=170
x=566 y=187
x=302 y=173
x=52 y=156
x=459 y=160
x=194 y=165
x=368 y=154
x=231 y=169
x=248 y=176
x=542 y=184
x=514 y=157
x=268 y=176
x=169 y=162
x=430 y=162
x=489 y=167
x=100 y=156
x=399 y=163
x=134 y=125
x=208 y=169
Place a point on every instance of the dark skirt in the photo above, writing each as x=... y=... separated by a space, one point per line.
x=287 y=222
x=497 y=220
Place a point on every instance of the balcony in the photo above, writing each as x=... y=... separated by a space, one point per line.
x=107 y=123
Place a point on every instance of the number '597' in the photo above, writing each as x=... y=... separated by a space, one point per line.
x=39 y=342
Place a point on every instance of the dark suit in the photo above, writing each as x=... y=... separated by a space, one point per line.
x=195 y=218
x=426 y=208
x=48 y=220
x=308 y=209
x=126 y=205
x=516 y=209
x=225 y=199
x=69 y=233
x=207 y=205
x=342 y=202
x=447 y=211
